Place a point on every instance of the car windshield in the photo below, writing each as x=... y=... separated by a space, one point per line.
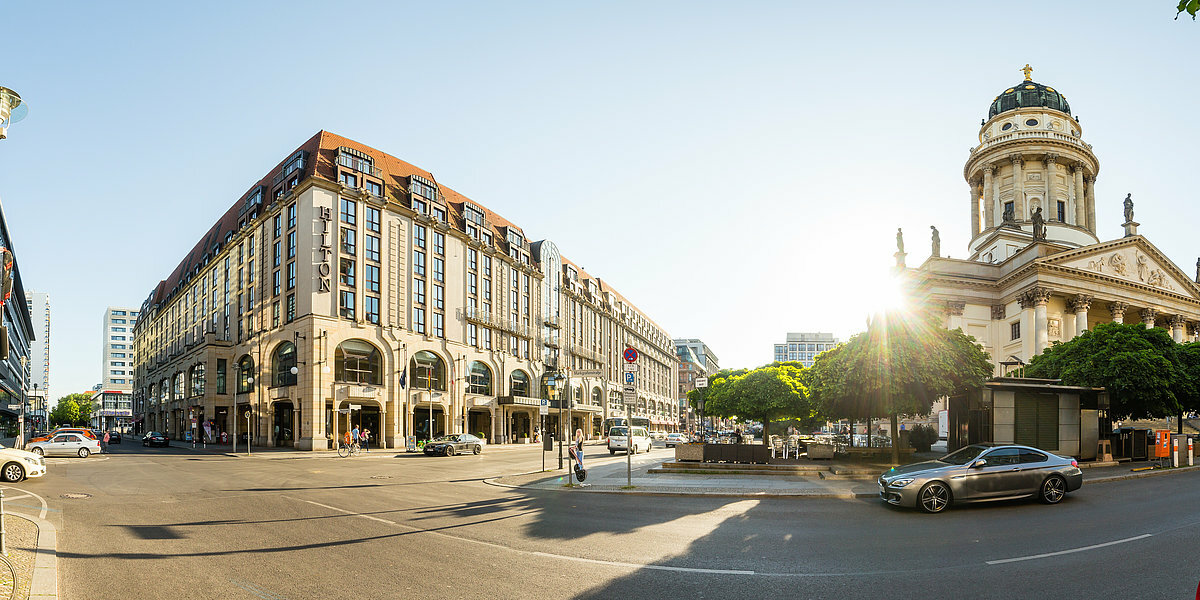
x=616 y=431
x=963 y=456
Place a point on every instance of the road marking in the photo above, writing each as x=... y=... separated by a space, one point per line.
x=44 y=508
x=1071 y=551
x=349 y=512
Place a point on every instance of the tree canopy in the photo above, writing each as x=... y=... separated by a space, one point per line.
x=1146 y=373
x=773 y=392
x=72 y=409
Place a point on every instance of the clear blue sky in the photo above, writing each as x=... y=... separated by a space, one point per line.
x=736 y=169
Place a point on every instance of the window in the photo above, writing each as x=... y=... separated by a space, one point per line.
x=418 y=324
x=419 y=206
x=439 y=297
x=440 y=214
x=276 y=254
x=371 y=275
x=1016 y=330
x=419 y=263
x=487 y=266
x=479 y=379
x=472 y=334
x=291 y=245
x=439 y=242
x=277 y=226
x=348 y=211
x=371 y=308
x=197 y=379
x=346 y=304
x=291 y=216
x=1031 y=456
x=291 y=307
x=356 y=361
x=374 y=188
x=372 y=217
x=428 y=371
x=282 y=362
x=245 y=382
x=419 y=236
x=439 y=325
x=121 y=321
x=221 y=365
x=518 y=383
x=275 y=313
x=118 y=338
x=346 y=272
x=419 y=291
x=371 y=247
x=275 y=282
x=348 y=246
x=1008 y=209
x=291 y=276
x=1062 y=211
x=349 y=180
x=439 y=269
x=472 y=259
x=119 y=313
x=121 y=329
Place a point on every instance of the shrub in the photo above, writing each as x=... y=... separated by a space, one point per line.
x=922 y=437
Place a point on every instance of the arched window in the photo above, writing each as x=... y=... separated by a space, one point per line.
x=480 y=381
x=245 y=375
x=282 y=362
x=150 y=394
x=356 y=361
x=597 y=400
x=177 y=387
x=518 y=384
x=577 y=396
x=197 y=378
x=428 y=371
x=164 y=391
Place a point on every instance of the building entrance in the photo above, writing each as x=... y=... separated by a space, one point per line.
x=284 y=421
x=421 y=422
x=479 y=422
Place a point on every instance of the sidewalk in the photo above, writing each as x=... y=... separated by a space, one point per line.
x=611 y=478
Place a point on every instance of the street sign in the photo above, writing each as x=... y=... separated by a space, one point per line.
x=355 y=407
x=631 y=367
x=544 y=407
x=630 y=354
x=629 y=378
x=701 y=382
x=344 y=411
x=630 y=394
x=14 y=407
x=589 y=373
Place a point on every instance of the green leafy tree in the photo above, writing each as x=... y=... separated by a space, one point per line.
x=770 y=393
x=72 y=409
x=899 y=366
x=1189 y=6
x=1144 y=371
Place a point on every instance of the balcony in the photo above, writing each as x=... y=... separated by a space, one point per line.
x=551 y=322
x=1056 y=136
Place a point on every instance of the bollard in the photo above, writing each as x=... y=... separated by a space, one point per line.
x=1190 y=452
x=1175 y=452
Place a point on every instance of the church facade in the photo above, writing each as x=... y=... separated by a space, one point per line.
x=1036 y=272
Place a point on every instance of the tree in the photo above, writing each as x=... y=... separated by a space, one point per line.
x=72 y=409
x=899 y=366
x=1191 y=6
x=1144 y=371
x=770 y=393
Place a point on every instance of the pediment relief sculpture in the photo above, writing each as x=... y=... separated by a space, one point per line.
x=1128 y=263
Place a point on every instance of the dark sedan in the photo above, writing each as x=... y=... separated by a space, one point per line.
x=459 y=443
x=980 y=473
x=155 y=438
x=114 y=437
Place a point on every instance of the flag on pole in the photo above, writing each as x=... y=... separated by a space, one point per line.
x=403 y=377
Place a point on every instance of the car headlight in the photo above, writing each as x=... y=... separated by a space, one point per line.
x=899 y=483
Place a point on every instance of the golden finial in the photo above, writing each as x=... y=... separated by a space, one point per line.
x=1028 y=69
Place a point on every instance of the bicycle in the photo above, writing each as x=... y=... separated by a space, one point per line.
x=8 y=579
x=351 y=449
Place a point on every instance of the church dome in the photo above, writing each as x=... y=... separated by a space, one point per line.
x=1028 y=94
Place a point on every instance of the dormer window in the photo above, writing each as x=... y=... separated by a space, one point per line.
x=422 y=187
x=474 y=221
x=357 y=161
x=294 y=163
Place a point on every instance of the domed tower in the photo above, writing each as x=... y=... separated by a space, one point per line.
x=1030 y=156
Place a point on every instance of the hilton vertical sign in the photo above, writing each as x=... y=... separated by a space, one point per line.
x=326 y=249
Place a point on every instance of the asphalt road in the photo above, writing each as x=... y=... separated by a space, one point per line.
x=169 y=522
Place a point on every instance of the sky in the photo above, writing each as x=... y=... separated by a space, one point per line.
x=737 y=170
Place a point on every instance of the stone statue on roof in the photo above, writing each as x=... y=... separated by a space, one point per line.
x=937 y=242
x=899 y=241
x=1128 y=208
x=1039 y=225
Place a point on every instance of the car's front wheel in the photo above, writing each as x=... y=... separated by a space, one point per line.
x=38 y=451
x=84 y=452
x=934 y=497
x=477 y=449
x=1053 y=490
x=449 y=450
x=13 y=472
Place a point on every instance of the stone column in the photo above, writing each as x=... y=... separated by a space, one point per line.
x=954 y=310
x=1051 y=162
x=1022 y=211
x=1192 y=329
x=1148 y=315
x=1118 y=311
x=1177 y=324
x=1090 y=191
x=1037 y=299
x=1080 y=203
x=989 y=198
x=974 y=210
x=1080 y=305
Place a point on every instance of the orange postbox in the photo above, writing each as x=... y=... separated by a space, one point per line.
x=1162 y=443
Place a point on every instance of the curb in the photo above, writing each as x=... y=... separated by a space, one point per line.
x=495 y=481
x=1143 y=474
x=44 y=584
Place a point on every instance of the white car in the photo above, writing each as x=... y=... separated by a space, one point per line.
x=676 y=438
x=66 y=444
x=618 y=439
x=19 y=464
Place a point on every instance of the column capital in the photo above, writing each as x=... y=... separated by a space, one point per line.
x=1148 y=315
x=1077 y=167
x=1017 y=160
x=1117 y=308
x=989 y=168
x=999 y=311
x=1080 y=303
x=1034 y=297
x=1050 y=159
x=1177 y=321
x=1089 y=179
x=954 y=307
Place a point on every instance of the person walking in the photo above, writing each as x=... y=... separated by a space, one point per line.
x=577 y=452
x=365 y=438
x=354 y=435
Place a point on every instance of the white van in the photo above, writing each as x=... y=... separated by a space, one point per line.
x=618 y=439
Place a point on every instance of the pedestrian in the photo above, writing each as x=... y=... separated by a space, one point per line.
x=577 y=452
x=365 y=437
x=354 y=435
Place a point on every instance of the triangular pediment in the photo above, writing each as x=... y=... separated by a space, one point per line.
x=1132 y=259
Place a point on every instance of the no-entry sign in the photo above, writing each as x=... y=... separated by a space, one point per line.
x=630 y=354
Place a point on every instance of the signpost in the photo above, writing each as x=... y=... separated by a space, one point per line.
x=702 y=384
x=630 y=392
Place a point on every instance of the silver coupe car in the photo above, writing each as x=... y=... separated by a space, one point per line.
x=981 y=472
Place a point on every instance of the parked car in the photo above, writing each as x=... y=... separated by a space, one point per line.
x=66 y=444
x=88 y=433
x=19 y=464
x=675 y=438
x=458 y=443
x=114 y=437
x=980 y=473
x=619 y=439
x=155 y=438
x=658 y=435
